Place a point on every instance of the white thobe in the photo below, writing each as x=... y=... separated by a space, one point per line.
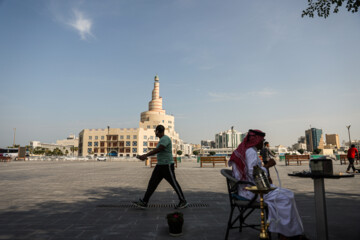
x=283 y=215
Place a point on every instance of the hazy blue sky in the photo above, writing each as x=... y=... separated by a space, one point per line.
x=70 y=65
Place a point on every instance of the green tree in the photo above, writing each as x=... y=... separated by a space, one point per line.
x=212 y=153
x=301 y=151
x=14 y=146
x=323 y=7
x=38 y=151
x=196 y=152
x=74 y=149
x=179 y=152
x=57 y=152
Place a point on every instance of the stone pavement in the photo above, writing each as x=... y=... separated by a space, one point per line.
x=91 y=200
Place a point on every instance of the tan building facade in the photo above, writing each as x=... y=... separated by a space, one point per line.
x=333 y=140
x=131 y=141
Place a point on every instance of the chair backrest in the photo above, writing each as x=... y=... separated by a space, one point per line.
x=233 y=183
x=230 y=183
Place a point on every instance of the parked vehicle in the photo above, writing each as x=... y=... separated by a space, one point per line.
x=101 y=158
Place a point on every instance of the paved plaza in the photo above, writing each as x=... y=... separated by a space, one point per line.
x=91 y=200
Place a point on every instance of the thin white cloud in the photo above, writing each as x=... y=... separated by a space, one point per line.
x=264 y=93
x=82 y=24
x=220 y=97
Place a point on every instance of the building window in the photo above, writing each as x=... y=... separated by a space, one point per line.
x=145 y=150
x=148 y=126
x=89 y=144
x=89 y=150
x=135 y=137
x=96 y=137
x=163 y=121
x=96 y=144
x=156 y=138
x=127 y=136
x=145 y=144
x=169 y=127
x=134 y=150
x=121 y=137
x=151 y=137
x=102 y=137
x=134 y=144
x=128 y=143
x=154 y=126
x=90 y=137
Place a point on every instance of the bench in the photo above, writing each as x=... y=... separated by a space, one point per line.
x=296 y=158
x=5 y=159
x=343 y=159
x=213 y=160
x=153 y=161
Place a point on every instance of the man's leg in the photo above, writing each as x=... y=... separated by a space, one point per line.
x=351 y=164
x=169 y=175
x=154 y=181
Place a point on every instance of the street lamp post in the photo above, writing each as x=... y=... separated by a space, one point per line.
x=348 y=127
x=232 y=138
x=14 y=137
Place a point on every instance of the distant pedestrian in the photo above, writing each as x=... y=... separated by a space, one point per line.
x=163 y=169
x=351 y=157
x=266 y=154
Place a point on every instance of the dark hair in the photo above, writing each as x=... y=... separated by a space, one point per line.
x=266 y=143
x=160 y=128
x=352 y=145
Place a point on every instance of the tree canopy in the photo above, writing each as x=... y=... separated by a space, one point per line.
x=323 y=7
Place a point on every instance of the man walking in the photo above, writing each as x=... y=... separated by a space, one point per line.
x=351 y=157
x=266 y=154
x=163 y=169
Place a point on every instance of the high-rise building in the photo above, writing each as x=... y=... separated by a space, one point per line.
x=228 y=139
x=131 y=141
x=314 y=139
x=333 y=139
x=207 y=144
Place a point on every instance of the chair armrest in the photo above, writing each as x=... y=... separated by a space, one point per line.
x=245 y=182
x=240 y=182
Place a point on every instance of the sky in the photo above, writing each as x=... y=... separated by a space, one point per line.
x=71 y=65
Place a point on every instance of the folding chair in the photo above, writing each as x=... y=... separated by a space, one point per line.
x=245 y=207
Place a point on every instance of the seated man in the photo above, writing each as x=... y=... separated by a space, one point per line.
x=283 y=215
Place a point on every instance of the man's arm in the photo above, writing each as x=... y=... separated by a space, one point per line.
x=153 y=152
x=270 y=153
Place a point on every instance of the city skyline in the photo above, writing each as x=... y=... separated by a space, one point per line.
x=72 y=65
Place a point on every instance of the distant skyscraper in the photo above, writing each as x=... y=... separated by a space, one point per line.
x=207 y=144
x=333 y=139
x=228 y=139
x=302 y=139
x=314 y=139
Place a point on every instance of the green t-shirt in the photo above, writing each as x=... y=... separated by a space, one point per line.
x=165 y=157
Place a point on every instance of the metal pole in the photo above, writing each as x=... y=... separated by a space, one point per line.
x=320 y=209
x=14 y=137
x=232 y=138
x=348 y=127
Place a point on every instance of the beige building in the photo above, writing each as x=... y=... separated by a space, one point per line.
x=333 y=140
x=131 y=141
x=66 y=149
x=66 y=145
